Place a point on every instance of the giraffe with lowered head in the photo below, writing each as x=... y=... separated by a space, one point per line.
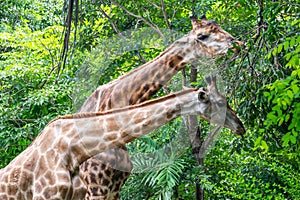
x=206 y=39
x=46 y=168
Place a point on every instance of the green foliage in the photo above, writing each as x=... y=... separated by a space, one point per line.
x=257 y=179
x=35 y=14
x=252 y=173
x=265 y=81
x=158 y=163
x=284 y=95
x=31 y=95
x=262 y=83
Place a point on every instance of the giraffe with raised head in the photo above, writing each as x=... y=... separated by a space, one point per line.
x=46 y=168
x=206 y=39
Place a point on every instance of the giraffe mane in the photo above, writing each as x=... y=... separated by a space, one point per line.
x=147 y=63
x=117 y=110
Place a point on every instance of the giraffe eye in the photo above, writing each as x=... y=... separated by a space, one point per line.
x=202 y=37
x=221 y=103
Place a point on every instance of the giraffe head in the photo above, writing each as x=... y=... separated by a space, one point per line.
x=217 y=110
x=211 y=37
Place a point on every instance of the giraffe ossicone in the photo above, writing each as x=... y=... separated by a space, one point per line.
x=45 y=169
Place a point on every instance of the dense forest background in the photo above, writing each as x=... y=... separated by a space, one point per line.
x=54 y=53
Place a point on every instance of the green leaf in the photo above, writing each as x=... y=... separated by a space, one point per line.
x=272 y=117
x=280 y=121
x=283 y=102
x=286 y=139
x=295 y=60
x=264 y=146
x=274 y=51
x=279 y=48
x=288 y=56
x=295 y=88
x=297 y=126
x=269 y=55
x=286 y=45
x=257 y=142
x=295 y=133
x=292 y=124
x=292 y=42
x=293 y=139
x=287 y=117
x=298 y=40
x=295 y=22
x=290 y=94
x=266 y=94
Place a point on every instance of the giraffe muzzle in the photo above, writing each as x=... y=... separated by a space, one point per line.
x=236 y=46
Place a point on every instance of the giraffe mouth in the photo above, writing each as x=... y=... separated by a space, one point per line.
x=237 y=129
x=236 y=46
x=240 y=131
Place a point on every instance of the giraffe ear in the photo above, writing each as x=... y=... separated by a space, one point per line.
x=202 y=96
x=203 y=21
x=212 y=84
x=195 y=23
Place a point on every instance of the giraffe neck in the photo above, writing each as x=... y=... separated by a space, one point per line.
x=93 y=133
x=140 y=84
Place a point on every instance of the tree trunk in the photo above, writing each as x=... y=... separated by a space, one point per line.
x=194 y=134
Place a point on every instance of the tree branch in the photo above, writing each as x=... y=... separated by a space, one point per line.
x=153 y=4
x=51 y=55
x=113 y=25
x=183 y=77
x=165 y=14
x=139 y=17
x=176 y=9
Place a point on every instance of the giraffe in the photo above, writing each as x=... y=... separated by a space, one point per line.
x=206 y=39
x=45 y=169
